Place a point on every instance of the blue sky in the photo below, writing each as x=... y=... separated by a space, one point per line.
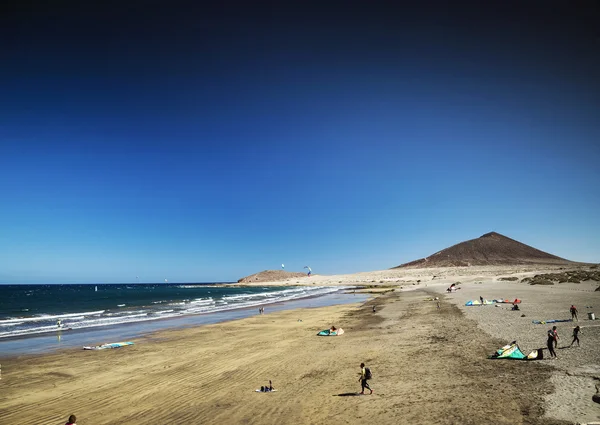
x=237 y=143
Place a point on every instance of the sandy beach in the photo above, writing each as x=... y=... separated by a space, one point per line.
x=430 y=365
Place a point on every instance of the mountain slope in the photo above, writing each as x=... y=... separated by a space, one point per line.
x=271 y=276
x=489 y=249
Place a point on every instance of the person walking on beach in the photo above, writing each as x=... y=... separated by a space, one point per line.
x=481 y=299
x=72 y=420
x=576 y=331
x=573 y=311
x=550 y=342
x=365 y=375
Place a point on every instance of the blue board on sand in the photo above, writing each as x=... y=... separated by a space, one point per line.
x=543 y=322
x=110 y=345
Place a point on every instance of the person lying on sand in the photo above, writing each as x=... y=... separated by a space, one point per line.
x=265 y=389
x=72 y=420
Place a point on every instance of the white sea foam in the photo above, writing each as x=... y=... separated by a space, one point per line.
x=52 y=317
x=203 y=301
x=11 y=324
x=100 y=318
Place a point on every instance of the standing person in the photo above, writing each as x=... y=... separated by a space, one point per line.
x=556 y=337
x=72 y=420
x=576 y=331
x=365 y=375
x=481 y=299
x=550 y=342
x=573 y=311
x=58 y=324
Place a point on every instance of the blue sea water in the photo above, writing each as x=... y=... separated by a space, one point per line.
x=30 y=310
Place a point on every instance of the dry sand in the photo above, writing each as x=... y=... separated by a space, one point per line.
x=429 y=364
x=577 y=368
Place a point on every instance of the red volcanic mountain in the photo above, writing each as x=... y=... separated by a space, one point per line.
x=489 y=249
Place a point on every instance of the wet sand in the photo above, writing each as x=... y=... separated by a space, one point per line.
x=430 y=366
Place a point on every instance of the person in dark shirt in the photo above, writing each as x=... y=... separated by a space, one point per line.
x=576 y=331
x=550 y=342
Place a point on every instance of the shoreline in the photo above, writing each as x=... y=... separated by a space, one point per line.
x=63 y=339
x=430 y=365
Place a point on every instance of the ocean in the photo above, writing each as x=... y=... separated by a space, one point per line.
x=30 y=310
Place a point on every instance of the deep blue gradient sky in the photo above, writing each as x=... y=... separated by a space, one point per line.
x=196 y=143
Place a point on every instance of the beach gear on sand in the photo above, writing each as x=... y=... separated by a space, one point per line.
x=329 y=332
x=488 y=302
x=477 y=302
x=513 y=352
x=110 y=345
x=543 y=322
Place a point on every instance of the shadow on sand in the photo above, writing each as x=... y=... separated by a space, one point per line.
x=347 y=395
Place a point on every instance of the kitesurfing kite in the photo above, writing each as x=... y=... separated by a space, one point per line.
x=309 y=270
x=283 y=266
